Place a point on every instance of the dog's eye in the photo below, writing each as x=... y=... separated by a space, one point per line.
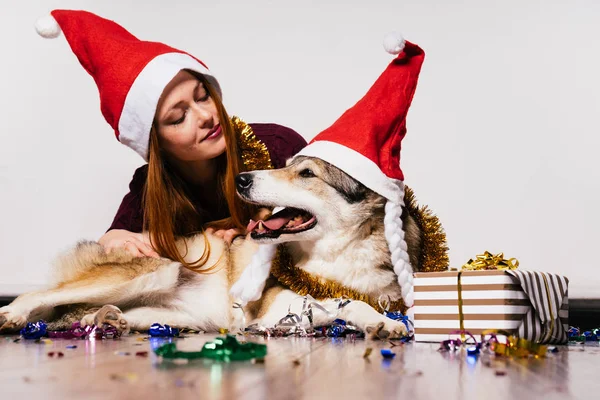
x=307 y=173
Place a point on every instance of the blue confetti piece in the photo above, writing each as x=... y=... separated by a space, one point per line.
x=387 y=354
x=473 y=350
x=335 y=331
x=34 y=330
x=158 y=330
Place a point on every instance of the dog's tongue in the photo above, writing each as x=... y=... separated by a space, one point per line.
x=275 y=222
x=252 y=225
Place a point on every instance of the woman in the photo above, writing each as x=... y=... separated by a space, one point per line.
x=166 y=105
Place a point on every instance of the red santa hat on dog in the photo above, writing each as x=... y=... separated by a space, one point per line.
x=365 y=143
x=131 y=74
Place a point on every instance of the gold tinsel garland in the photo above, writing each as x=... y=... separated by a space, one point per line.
x=434 y=252
x=304 y=283
x=255 y=154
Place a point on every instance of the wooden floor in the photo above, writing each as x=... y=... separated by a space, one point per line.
x=295 y=368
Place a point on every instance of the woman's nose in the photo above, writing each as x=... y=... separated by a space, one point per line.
x=203 y=114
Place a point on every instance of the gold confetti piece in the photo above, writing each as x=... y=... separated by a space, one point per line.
x=127 y=377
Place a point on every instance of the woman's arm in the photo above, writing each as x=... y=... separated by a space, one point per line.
x=130 y=215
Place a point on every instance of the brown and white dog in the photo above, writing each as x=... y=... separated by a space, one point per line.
x=332 y=227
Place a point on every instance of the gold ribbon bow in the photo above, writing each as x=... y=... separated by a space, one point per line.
x=488 y=261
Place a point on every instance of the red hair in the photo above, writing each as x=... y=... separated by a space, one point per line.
x=168 y=211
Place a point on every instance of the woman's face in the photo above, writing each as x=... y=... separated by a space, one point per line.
x=187 y=120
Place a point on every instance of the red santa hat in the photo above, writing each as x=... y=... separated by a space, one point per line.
x=131 y=74
x=365 y=143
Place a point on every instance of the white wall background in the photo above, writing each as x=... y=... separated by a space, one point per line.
x=502 y=135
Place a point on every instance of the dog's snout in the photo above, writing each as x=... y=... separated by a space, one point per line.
x=243 y=182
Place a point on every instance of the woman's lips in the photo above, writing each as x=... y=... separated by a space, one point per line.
x=214 y=133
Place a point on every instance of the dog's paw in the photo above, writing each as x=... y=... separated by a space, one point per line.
x=388 y=329
x=11 y=320
x=109 y=315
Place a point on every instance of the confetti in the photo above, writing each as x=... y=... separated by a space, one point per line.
x=158 y=330
x=387 y=354
x=34 y=330
x=127 y=377
x=368 y=352
x=221 y=349
x=182 y=383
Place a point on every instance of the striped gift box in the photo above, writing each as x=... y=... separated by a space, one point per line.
x=534 y=305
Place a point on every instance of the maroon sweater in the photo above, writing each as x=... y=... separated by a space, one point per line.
x=282 y=143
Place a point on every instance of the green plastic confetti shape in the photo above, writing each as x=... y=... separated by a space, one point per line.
x=221 y=349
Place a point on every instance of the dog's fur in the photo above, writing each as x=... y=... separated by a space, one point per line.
x=347 y=245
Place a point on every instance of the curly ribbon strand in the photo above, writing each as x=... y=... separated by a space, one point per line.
x=513 y=346
x=37 y=330
x=575 y=335
x=384 y=301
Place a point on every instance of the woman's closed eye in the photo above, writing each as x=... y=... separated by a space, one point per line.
x=203 y=98
x=180 y=120
x=200 y=95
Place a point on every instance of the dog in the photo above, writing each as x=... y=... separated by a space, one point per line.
x=331 y=227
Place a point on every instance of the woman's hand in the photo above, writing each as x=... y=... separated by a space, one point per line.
x=226 y=234
x=137 y=244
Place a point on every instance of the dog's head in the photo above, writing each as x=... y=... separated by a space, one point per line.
x=318 y=199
